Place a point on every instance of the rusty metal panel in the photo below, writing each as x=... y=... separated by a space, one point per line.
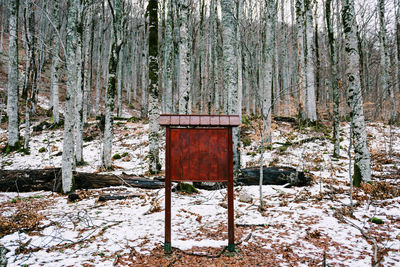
x=199 y=154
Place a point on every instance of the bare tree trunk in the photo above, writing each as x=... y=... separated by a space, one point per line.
x=79 y=85
x=387 y=89
x=334 y=79
x=12 y=85
x=68 y=142
x=152 y=11
x=30 y=70
x=168 y=61
x=301 y=80
x=55 y=66
x=100 y=38
x=311 y=109
x=362 y=164
x=184 y=58
x=119 y=83
x=268 y=68
x=230 y=70
x=111 y=85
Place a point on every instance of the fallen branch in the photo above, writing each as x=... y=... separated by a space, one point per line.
x=213 y=256
x=373 y=240
x=175 y=260
x=251 y=225
x=116 y=197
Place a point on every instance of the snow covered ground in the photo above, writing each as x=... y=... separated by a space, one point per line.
x=301 y=226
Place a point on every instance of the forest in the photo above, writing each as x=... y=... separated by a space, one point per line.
x=315 y=84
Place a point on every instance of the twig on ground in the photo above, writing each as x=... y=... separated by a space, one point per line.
x=175 y=260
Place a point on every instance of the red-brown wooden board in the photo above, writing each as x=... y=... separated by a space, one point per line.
x=199 y=154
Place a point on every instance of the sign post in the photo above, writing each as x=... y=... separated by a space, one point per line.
x=199 y=149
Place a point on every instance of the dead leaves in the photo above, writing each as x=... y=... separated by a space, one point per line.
x=21 y=214
x=380 y=190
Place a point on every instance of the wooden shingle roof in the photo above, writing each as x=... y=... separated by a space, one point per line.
x=199 y=120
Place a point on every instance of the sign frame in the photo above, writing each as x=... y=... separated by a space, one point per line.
x=165 y=120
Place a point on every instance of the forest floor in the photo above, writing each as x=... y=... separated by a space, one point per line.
x=301 y=226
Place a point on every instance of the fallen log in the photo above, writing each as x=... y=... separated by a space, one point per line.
x=285 y=119
x=50 y=180
x=274 y=176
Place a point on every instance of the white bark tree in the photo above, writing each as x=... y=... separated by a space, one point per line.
x=362 y=163
x=168 y=59
x=154 y=110
x=116 y=44
x=184 y=58
x=12 y=85
x=230 y=70
x=30 y=66
x=311 y=109
x=334 y=78
x=54 y=83
x=68 y=158
x=387 y=89
x=301 y=73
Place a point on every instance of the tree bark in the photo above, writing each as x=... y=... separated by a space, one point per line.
x=111 y=85
x=230 y=70
x=12 y=85
x=301 y=74
x=68 y=158
x=311 y=110
x=154 y=110
x=184 y=58
x=362 y=164
x=334 y=79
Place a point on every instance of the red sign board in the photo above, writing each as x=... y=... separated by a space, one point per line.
x=199 y=154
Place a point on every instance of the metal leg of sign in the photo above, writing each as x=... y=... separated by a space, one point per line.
x=231 y=225
x=167 y=242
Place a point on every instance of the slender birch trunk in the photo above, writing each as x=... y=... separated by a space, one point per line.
x=239 y=60
x=387 y=89
x=68 y=143
x=230 y=78
x=12 y=85
x=100 y=38
x=334 y=79
x=55 y=66
x=184 y=58
x=284 y=63
x=144 y=75
x=311 y=109
x=152 y=11
x=362 y=164
x=111 y=86
x=119 y=83
x=79 y=61
x=168 y=59
x=268 y=67
x=301 y=74
x=30 y=70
